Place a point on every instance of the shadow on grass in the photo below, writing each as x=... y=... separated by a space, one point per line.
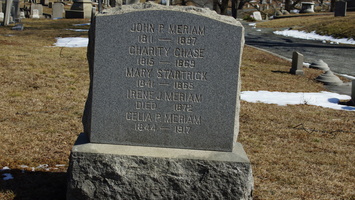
x=35 y=185
x=280 y=72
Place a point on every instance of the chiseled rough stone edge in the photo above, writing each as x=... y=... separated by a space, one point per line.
x=149 y=6
x=100 y=173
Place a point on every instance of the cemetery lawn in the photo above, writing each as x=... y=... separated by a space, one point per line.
x=297 y=152
x=338 y=27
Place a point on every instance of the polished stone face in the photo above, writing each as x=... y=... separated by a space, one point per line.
x=165 y=78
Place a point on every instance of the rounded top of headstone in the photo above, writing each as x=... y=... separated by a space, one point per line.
x=320 y=64
x=151 y=6
x=328 y=78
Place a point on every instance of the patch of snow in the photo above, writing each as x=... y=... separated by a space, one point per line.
x=78 y=30
x=252 y=24
x=86 y=24
x=347 y=76
x=323 y=99
x=4 y=169
x=8 y=176
x=313 y=36
x=72 y=42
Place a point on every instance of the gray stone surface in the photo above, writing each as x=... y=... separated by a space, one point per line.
x=319 y=64
x=57 y=11
x=353 y=92
x=8 y=5
x=102 y=171
x=340 y=9
x=257 y=16
x=307 y=7
x=36 y=11
x=297 y=64
x=167 y=78
x=328 y=78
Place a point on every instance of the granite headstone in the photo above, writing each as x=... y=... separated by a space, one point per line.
x=7 y=17
x=166 y=81
x=340 y=9
x=57 y=10
x=297 y=64
x=257 y=16
x=162 y=116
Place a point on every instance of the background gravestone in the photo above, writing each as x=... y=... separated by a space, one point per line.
x=162 y=115
x=297 y=63
x=57 y=10
x=79 y=9
x=340 y=9
x=39 y=11
x=257 y=16
x=7 y=17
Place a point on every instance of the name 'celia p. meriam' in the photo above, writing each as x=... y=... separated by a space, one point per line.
x=164 y=96
x=168 y=118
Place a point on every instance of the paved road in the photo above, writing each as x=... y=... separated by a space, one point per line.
x=340 y=58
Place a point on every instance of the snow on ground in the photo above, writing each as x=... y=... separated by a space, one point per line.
x=78 y=30
x=323 y=99
x=313 y=36
x=72 y=42
x=86 y=24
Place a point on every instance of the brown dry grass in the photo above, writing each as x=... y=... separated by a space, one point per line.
x=339 y=27
x=297 y=152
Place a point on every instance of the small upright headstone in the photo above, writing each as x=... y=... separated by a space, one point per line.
x=35 y=14
x=39 y=11
x=16 y=10
x=162 y=116
x=22 y=15
x=57 y=11
x=297 y=64
x=340 y=9
x=257 y=16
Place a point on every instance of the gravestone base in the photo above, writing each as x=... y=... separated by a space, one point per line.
x=297 y=72
x=103 y=171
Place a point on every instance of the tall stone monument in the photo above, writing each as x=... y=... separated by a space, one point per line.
x=162 y=116
x=7 y=18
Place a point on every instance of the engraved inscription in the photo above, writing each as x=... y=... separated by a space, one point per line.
x=165 y=73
